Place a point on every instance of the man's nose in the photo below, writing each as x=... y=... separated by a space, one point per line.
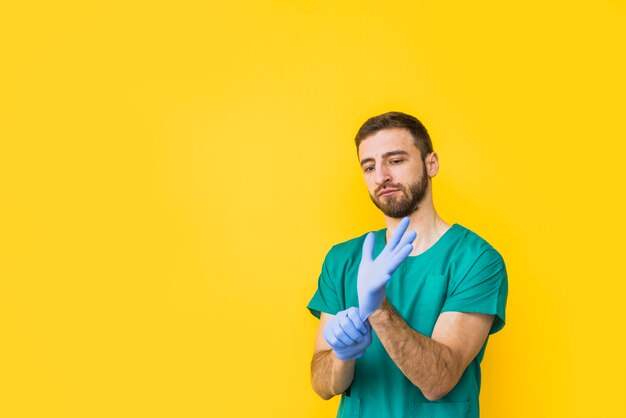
x=382 y=175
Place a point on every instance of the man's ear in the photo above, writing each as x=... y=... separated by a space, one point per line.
x=432 y=164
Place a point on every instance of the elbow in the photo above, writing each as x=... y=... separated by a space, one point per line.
x=437 y=392
x=435 y=395
x=323 y=394
x=321 y=391
x=447 y=380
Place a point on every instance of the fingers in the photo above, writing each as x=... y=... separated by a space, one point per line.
x=340 y=328
x=368 y=247
x=345 y=329
x=330 y=332
x=348 y=327
x=353 y=315
x=399 y=257
x=368 y=327
x=408 y=238
x=367 y=339
x=397 y=234
x=330 y=338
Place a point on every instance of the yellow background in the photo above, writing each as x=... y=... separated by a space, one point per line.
x=173 y=173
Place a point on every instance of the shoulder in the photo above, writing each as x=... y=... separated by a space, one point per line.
x=472 y=246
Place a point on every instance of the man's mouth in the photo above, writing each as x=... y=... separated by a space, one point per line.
x=387 y=192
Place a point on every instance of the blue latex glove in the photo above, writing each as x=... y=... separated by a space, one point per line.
x=374 y=274
x=347 y=335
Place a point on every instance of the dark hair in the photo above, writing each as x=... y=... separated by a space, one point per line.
x=391 y=120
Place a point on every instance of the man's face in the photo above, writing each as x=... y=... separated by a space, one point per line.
x=395 y=175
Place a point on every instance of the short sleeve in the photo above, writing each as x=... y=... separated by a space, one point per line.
x=483 y=289
x=326 y=297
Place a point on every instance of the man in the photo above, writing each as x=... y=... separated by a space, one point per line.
x=405 y=312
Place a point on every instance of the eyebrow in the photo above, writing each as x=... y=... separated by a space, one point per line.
x=385 y=155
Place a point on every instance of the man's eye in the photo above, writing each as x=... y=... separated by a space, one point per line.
x=369 y=168
x=396 y=161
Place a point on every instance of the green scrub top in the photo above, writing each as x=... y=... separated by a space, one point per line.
x=461 y=272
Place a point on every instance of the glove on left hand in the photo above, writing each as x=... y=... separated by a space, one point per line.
x=374 y=274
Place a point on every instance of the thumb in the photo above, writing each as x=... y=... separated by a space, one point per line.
x=368 y=247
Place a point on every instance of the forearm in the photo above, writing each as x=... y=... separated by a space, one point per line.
x=429 y=365
x=329 y=375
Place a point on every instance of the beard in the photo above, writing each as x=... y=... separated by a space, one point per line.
x=405 y=202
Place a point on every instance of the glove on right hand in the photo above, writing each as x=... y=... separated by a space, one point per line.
x=347 y=335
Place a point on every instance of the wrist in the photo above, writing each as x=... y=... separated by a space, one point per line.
x=339 y=361
x=383 y=310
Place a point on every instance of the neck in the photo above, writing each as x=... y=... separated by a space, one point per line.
x=426 y=222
